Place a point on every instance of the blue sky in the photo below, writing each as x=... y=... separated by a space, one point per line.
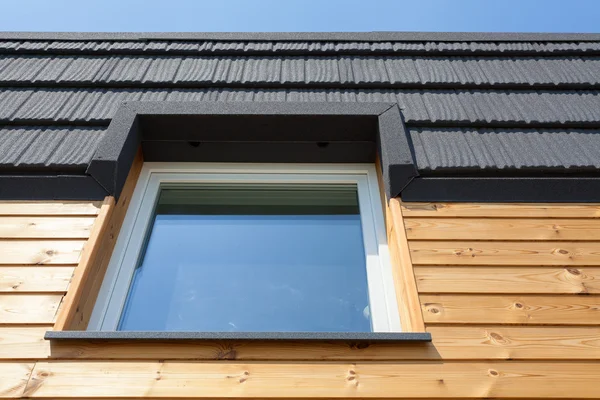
x=305 y=15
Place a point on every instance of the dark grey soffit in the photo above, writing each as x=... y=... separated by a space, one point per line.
x=168 y=131
x=303 y=36
x=344 y=337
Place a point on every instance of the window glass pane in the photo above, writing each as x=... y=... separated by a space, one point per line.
x=279 y=258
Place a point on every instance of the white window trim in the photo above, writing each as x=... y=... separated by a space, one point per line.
x=115 y=287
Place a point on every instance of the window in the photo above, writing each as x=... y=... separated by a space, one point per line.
x=251 y=248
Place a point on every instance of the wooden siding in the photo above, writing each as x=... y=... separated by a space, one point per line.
x=503 y=326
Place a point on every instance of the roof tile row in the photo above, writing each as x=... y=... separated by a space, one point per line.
x=383 y=71
x=441 y=107
x=208 y=46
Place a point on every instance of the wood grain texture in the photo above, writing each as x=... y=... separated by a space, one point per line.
x=504 y=253
x=314 y=380
x=492 y=342
x=516 y=342
x=35 y=279
x=28 y=308
x=411 y=316
x=511 y=309
x=504 y=210
x=45 y=227
x=502 y=229
x=46 y=208
x=557 y=280
x=37 y=252
x=84 y=271
x=13 y=379
x=103 y=247
x=24 y=342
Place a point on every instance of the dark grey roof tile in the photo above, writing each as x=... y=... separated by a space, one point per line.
x=13 y=143
x=83 y=69
x=59 y=148
x=9 y=45
x=33 y=45
x=162 y=70
x=128 y=70
x=197 y=69
x=25 y=69
x=463 y=148
x=11 y=100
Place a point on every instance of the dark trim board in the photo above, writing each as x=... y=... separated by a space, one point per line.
x=50 y=187
x=307 y=36
x=348 y=337
x=256 y=132
x=509 y=190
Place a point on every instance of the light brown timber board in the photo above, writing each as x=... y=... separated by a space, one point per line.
x=502 y=229
x=24 y=342
x=425 y=252
x=83 y=272
x=504 y=210
x=407 y=296
x=13 y=379
x=28 y=308
x=53 y=208
x=474 y=279
x=35 y=279
x=516 y=342
x=35 y=252
x=511 y=309
x=45 y=227
x=449 y=343
x=314 y=380
x=97 y=264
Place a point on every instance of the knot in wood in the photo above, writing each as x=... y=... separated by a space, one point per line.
x=497 y=337
x=518 y=305
x=573 y=271
x=493 y=372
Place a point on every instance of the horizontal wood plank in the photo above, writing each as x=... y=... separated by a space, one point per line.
x=35 y=279
x=13 y=379
x=314 y=380
x=558 y=280
x=24 y=342
x=516 y=342
x=502 y=229
x=503 y=210
x=449 y=343
x=28 y=308
x=45 y=227
x=425 y=252
x=511 y=309
x=50 y=207
x=37 y=252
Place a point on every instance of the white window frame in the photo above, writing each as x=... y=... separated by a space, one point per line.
x=115 y=287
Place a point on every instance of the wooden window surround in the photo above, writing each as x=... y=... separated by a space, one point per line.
x=79 y=301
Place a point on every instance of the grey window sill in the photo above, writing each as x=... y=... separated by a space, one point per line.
x=362 y=337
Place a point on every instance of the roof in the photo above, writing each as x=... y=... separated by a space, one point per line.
x=490 y=103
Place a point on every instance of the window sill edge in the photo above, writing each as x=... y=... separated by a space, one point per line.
x=361 y=337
